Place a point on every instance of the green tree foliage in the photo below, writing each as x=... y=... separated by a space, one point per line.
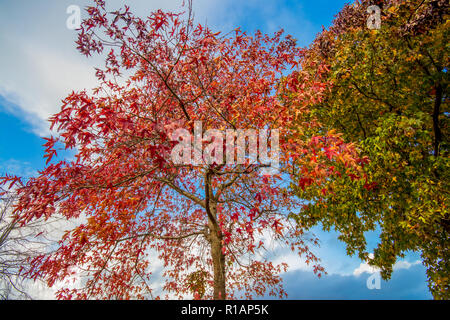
x=389 y=95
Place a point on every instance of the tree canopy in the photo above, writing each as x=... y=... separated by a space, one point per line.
x=388 y=93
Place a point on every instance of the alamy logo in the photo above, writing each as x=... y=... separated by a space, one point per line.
x=221 y=147
x=374 y=281
x=374 y=20
x=73 y=22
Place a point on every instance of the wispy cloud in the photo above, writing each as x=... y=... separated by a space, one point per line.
x=16 y=167
x=366 y=268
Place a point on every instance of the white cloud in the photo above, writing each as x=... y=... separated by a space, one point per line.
x=365 y=267
x=402 y=264
x=43 y=79
x=40 y=64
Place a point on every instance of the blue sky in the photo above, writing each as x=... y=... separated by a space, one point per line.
x=40 y=66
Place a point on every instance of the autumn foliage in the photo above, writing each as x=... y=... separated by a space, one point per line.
x=211 y=226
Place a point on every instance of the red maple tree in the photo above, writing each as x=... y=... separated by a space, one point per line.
x=210 y=224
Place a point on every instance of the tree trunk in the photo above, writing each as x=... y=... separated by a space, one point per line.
x=218 y=265
x=215 y=240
